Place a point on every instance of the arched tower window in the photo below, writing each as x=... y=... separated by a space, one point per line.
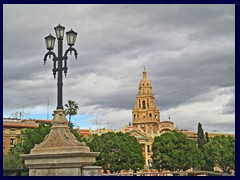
x=139 y=104
x=143 y=104
x=150 y=115
x=134 y=116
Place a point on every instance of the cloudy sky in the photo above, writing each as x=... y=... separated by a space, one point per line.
x=188 y=52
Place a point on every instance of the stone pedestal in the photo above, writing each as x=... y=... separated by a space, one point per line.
x=60 y=154
x=91 y=170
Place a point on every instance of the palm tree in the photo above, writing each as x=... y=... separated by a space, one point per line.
x=71 y=108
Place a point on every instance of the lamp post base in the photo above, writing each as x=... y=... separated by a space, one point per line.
x=60 y=153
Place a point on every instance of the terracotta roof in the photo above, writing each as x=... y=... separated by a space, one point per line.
x=20 y=125
x=43 y=121
x=17 y=123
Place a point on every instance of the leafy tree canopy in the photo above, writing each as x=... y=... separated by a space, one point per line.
x=27 y=140
x=174 y=151
x=220 y=151
x=117 y=151
x=29 y=137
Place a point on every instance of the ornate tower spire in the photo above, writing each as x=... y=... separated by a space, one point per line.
x=145 y=114
x=144 y=73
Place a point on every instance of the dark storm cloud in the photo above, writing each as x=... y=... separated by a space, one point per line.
x=197 y=75
x=188 y=51
x=116 y=100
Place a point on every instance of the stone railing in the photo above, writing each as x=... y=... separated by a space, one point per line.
x=168 y=173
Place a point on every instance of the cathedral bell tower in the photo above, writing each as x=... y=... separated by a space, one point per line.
x=145 y=113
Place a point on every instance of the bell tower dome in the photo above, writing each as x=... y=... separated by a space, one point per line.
x=145 y=113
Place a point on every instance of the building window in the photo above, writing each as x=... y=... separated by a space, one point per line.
x=150 y=115
x=12 y=130
x=139 y=104
x=134 y=116
x=156 y=116
x=148 y=148
x=12 y=142
x=144 y=105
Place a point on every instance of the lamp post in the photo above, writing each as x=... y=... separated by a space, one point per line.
x=61 y=153
x=58 y=66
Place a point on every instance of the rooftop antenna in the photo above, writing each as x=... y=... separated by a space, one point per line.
x=14 y=115
x=96 y=122
x=23 y=113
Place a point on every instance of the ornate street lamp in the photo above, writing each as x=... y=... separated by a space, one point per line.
x=58 y=66
x=61 y=153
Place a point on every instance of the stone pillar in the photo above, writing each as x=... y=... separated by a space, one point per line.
x=60 y=154
x=146 y=156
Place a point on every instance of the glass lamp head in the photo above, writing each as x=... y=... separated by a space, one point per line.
x=50 y=40
x=71 y=37
x=59 y=32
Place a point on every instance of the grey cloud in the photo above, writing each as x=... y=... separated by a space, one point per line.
x=229 y=108
x=219 y=127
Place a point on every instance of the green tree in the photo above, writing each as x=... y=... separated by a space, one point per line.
x=12 y=160
x=27 y=140
x=71 y=108
x=117 y=151
x=207 y=137
x=220 y=151
x=29 y=137
x=200 y=136
x=173 y=150
x=76 y=134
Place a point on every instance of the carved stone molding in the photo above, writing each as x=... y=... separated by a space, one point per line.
x=60 y=136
